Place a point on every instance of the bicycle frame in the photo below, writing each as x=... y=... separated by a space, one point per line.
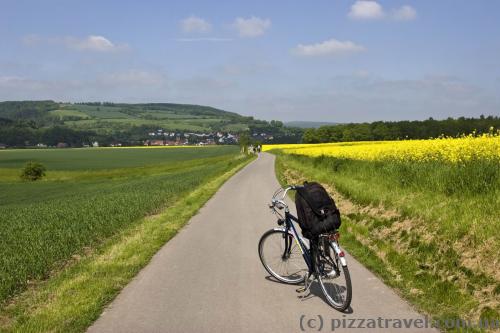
x=289 y=228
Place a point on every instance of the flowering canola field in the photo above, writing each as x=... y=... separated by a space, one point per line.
x=463 y=149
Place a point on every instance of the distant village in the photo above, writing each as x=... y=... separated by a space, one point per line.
x=165 y=138
x=161 y=137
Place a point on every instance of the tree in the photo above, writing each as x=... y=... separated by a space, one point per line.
x=33 y=171
x=310 y=136
x=244 y=142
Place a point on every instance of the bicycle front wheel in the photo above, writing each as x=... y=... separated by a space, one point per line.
x=282 y=257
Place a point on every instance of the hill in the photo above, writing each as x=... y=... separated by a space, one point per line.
x=26 y=123
x=105 y=116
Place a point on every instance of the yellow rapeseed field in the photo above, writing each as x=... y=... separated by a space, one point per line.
x=466 y=148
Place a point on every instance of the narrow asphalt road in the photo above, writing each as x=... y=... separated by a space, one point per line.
x=209 y=278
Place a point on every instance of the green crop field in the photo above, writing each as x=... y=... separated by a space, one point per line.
x=99 y=111
x=106 y=158
x=88 y=196
x=69 y=113
x=173 y=117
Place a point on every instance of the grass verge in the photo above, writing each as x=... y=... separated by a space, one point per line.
x=74 y=297
x=414 y=240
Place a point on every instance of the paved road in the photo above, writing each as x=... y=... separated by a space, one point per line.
x=209 y=278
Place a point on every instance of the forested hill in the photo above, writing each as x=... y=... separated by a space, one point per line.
x=27 y=123
x=387 y=130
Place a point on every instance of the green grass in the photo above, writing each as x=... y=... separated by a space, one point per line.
x=44 y=223
x=75 y=296
x=236 y=127
x=106 y=158
x=103 y=112
x=168 y=115
x=190 y=118
x=167 y=124
x=69 y=113
x=429 y=231
x=174 y=119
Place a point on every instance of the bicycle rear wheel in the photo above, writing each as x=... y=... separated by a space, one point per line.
x=281 y=256
x=334 y=279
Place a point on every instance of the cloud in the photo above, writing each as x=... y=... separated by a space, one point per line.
x=372 y=10
x=251 y=27
x=131 y=78
x=204 y=39
x=366 y=10
x=331 y=47
x=404 y=13
x=247 y=69
x=31 y=40
x=356 y=97
x=126 y=85
x=360 y=99
x=25 y=88
x=92 y=43
x=194 y=24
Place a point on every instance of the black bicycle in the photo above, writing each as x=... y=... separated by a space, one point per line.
x=285 y=256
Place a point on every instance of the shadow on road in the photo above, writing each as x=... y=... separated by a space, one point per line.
x=314 y=291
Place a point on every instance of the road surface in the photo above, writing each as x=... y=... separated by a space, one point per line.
x=209 y=278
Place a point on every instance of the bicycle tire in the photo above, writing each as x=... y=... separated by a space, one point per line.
x=296 y=274
x=346 y=301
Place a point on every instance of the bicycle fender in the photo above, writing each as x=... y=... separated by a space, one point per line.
x=339 y=253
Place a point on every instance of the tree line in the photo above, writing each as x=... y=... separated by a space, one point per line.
x=399 y=130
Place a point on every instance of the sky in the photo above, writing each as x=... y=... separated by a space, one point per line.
x=321 y=60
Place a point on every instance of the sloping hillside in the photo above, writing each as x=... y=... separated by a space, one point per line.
x=108 y=116
x=26 y=123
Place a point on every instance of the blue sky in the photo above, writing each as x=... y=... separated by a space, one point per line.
x=335 y=60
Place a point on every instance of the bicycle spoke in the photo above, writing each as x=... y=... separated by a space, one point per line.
x=288 y=268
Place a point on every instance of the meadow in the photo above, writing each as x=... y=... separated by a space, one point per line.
x=422 y=214
x=168 y=116
x=88 y=196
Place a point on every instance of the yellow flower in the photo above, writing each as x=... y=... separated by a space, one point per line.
x=445 y=149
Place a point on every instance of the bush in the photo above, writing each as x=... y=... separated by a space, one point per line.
x=33 y=171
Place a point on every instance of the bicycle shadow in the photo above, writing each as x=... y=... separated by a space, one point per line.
x=315 y=291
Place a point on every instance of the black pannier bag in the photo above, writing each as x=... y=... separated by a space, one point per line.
x=316 y=210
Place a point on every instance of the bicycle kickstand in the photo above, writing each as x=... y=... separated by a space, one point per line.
x=307 y=284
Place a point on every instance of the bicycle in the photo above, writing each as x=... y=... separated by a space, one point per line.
x=285 y=256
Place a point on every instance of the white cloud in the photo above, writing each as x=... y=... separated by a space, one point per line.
x=195 y=24
x=204 y=39
x=372 y=10
x=251 y=27
x=366 y=10
x=329 y=47
x=404 y=13
x=92 y=43
x=127 y=85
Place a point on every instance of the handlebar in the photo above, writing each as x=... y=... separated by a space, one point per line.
x=279 y=202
